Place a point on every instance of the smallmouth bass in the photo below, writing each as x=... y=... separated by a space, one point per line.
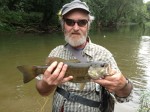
x=81 y=72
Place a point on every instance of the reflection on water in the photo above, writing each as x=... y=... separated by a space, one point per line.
x=142 y=80
x=142 y=77
x=19 y=91
x=143 y=59
x=129 y=46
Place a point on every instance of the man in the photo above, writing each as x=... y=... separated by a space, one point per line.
x=75 y=20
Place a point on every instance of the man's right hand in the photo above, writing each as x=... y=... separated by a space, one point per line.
x=53 y=76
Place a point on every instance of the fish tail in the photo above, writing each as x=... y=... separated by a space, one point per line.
x=28 y=72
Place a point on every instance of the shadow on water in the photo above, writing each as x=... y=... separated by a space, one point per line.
x=129 y=45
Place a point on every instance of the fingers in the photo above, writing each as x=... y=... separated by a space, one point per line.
x=67 y=79
x=60 y=72
x=109 y=85
x=54 y=75
x=112 y=72
x=50 y=69
x=103 y=82
x=110 y=82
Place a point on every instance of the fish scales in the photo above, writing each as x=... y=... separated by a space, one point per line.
x=81 y=72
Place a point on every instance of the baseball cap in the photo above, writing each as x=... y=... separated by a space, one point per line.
x=76 y=4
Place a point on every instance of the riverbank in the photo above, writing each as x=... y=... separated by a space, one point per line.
x=31 y=23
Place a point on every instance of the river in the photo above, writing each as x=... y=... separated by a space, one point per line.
x=130 y=46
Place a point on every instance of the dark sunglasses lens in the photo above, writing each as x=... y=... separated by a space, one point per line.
x=70 y=22
x=82 y=22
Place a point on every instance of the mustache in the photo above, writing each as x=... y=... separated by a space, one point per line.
x=76 y=32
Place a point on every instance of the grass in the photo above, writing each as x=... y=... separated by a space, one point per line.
x=145 y=102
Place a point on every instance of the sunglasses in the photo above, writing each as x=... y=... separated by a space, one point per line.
x=80 y=22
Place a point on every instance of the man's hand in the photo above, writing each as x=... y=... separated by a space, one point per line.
x=115 y=83
x=54 y=75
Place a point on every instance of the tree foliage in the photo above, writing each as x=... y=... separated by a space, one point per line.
x=148 y=9
x=110 y=12
x=43 y=13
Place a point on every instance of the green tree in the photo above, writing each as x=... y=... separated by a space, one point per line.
x=43 y=13
x=48 y=8
x=148 y=10
x=109 y=12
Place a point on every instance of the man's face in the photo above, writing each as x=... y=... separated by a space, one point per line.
x=76 y=27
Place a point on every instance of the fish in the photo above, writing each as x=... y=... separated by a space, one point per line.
x=81 y=72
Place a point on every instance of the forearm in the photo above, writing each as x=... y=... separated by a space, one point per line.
x=126 y=90
x=43 y=88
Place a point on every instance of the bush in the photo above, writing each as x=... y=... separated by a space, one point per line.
x=147 y=25
x=145 y=102
x=11 y=19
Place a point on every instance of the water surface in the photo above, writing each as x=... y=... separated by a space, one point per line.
x=129 y=45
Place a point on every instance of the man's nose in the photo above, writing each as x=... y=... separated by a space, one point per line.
x=76 y=27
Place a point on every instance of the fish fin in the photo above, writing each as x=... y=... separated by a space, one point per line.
x=28 y=72
x=82 y=85
x=49 y=60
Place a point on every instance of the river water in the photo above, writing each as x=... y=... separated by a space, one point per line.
x=130 y=46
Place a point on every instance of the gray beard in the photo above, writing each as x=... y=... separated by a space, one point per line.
x=75 y=43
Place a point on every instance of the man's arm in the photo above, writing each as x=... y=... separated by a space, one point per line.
x=43 y=88
x=125 y=90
